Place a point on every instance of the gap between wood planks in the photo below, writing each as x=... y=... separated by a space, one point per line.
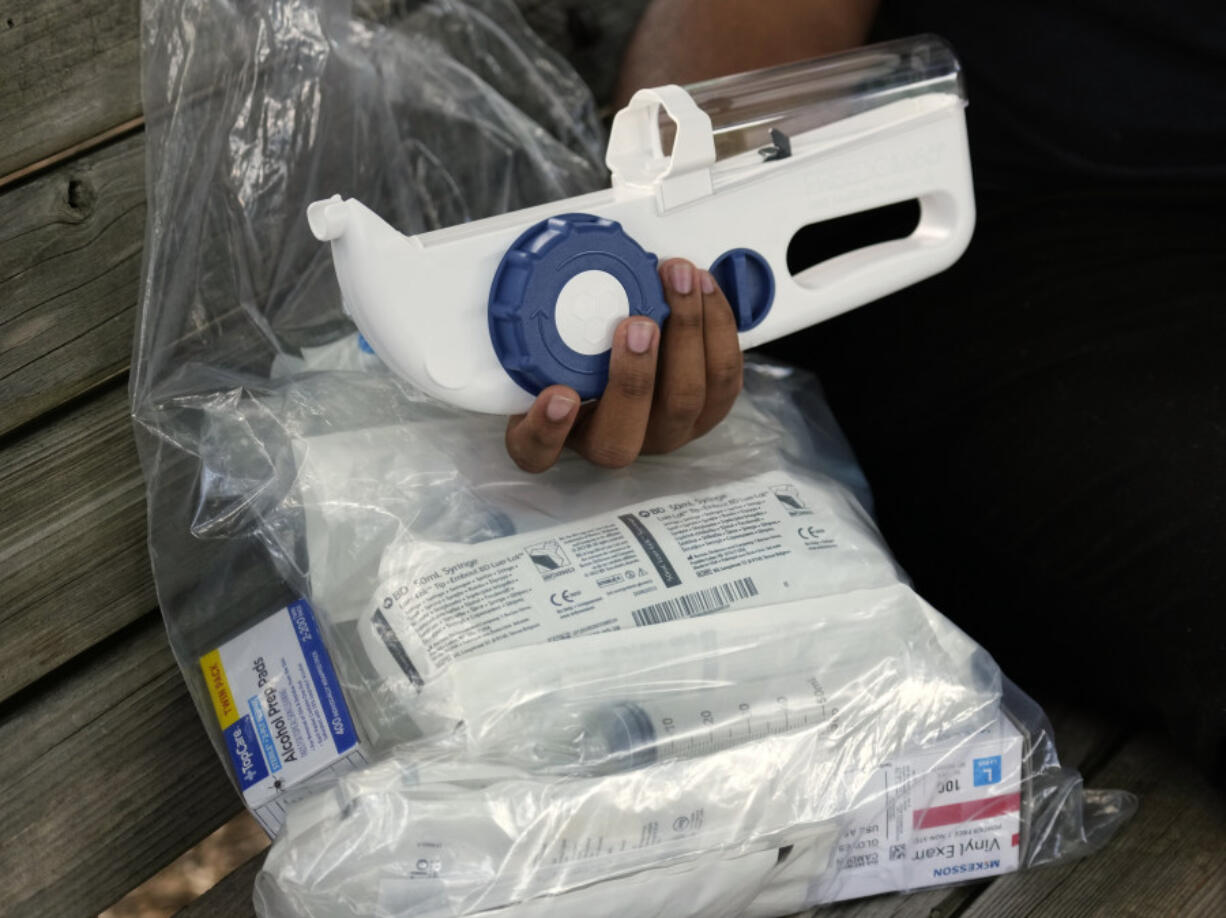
x=88 y=145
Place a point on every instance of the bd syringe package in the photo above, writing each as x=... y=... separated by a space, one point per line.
x=699 y=687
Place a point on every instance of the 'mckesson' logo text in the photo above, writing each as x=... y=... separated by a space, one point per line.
x=974 y=867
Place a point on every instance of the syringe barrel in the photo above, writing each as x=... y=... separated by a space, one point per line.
x=681 y=724
x=805 y=95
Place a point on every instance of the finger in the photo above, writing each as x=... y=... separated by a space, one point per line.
x=612 y=435
x=724 y=363
x=681 y=379
x=535 y=438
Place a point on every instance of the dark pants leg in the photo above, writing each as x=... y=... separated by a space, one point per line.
x=1044 y=427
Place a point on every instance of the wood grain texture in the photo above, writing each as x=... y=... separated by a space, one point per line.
x=1170 y=860
x=70 y=70
x=107 y=777
x=72 y=544
x=70 y=247
x=930 y=903
x=231 y=898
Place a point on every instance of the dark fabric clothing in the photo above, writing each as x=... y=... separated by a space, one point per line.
x=1044 y=425
x=1064 y=89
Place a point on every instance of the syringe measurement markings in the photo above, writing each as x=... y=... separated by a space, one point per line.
x=754 y=727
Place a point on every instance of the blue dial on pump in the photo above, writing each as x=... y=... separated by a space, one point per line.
x=559 y=290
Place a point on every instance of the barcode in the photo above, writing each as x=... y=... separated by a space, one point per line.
x=704 y=602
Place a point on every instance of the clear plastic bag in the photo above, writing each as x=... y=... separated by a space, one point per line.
x=698 y=686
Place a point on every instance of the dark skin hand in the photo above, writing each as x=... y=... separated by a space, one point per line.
x=666 y=387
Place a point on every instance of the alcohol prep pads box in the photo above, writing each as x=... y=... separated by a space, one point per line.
x=280 y=708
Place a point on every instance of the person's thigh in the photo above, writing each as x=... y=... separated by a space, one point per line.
x=1044 y=428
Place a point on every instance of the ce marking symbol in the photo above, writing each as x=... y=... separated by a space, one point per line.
x=810 y=532
x=567 y=597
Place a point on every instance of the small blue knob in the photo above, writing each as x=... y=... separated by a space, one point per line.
x=748 y=282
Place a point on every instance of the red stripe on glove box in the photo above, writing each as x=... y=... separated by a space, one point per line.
x=952 y=813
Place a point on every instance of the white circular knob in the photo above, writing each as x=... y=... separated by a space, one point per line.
x=588 y=309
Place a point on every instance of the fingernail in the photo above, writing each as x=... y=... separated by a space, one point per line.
x=706 y=281
x=558 y=408
x=681 y=277
x=638 y=337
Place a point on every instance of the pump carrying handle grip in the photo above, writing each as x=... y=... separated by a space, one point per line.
x=635 y=155
x=917 y=151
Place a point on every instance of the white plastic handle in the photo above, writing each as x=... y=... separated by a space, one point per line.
x=635 y=155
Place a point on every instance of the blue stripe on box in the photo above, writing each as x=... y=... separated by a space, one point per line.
x=327 y=687
x=244 y=745
x=261 y=727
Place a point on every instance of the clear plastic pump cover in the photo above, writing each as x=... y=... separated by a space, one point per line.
x=699 y=686
x=802 y=96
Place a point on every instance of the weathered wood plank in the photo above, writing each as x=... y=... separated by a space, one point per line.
x=70 y=246
x=930 y=903
x=72 y=543
x=107 y=777
x=231 y=898
x=70 y=70
x=1170 y=860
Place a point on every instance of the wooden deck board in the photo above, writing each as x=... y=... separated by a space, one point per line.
x=70 y=252
x=928 y=903
x=70 y=71
x=73 y=546
x=108 y=776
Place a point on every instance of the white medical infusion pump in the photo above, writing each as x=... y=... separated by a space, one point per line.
x=724 y=173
